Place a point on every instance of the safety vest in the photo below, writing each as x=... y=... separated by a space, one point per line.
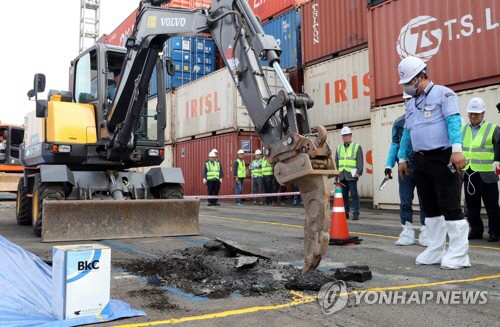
x=267 y=168
x=347 y=159
x=257 y=172
x=479 y=150
x=242 y=171
x=213 y=170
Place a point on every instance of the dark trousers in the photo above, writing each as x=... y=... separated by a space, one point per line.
x=489 y=193
x=268 y=187
x=213 y=187
x=438 y=186
x=406 y=194
x=350 y=187
x=239 y=189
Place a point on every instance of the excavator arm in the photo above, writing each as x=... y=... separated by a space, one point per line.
x=299 y=153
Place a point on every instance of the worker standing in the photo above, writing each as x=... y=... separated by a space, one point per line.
x=212 y=177
x=433 y=131
x=349 y=160
x=268 y=178
x=257 y=182
x=406 y=188
x=481 y=145
x=240 y=173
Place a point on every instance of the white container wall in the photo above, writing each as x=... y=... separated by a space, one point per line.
x=363 y=136
x=340 y=89
x=382 y=119
x=169 y=115
x=213 y=104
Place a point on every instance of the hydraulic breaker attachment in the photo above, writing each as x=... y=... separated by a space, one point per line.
x=81 y=220
x=8 y=182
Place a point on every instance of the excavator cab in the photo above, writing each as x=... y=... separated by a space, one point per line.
x=11 y=137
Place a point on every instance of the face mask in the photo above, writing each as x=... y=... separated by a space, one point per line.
x=411 y=89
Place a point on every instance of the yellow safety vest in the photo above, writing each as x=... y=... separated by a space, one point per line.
x=347 y=159
x=479 y=150
x=242 y=171
x=267 y=168
x=213 y=170
x=257 y=172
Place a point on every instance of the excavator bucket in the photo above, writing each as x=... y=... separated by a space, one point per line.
x=82 y=220
x=8 y=182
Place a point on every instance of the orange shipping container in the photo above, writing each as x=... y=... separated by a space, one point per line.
x=190 y=156
x=459 y=40
x=267 y=9
x=332 y=26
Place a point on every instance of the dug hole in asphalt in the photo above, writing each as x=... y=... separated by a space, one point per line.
x=276 y=233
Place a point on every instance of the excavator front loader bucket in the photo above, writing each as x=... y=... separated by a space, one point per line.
x=8 y=182
x=81 y=220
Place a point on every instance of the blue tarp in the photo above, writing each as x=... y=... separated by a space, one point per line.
x=25 y=292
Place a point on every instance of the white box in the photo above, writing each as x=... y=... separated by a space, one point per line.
x=80 y=280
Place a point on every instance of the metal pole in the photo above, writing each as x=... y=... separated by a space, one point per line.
x=282 y=77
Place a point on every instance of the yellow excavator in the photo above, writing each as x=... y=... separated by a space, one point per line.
x=11 y=137
x=80 y=146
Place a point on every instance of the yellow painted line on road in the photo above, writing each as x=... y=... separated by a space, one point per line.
x=298 y=299
x=356 y=233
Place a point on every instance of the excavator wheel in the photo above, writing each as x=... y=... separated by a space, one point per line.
x=23 y=205
x=169 y=191
x=42 y=191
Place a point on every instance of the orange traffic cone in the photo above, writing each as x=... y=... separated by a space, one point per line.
x=339 y=232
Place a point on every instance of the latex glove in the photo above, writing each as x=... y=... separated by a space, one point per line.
x=403 y=169
x=458 y=159
x=220 y=180
x=496 y=167
x=204 y=181
x=388 y=172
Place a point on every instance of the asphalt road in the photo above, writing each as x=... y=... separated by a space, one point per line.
x=277 y=232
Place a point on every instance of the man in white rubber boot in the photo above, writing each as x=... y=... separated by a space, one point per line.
x=433 y=130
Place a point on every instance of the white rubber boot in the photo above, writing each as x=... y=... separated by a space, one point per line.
x=457 y=255
x=407 y=236
x=423 y=237
x=435 y=251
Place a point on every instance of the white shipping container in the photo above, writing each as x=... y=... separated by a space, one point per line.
x=169 y=115
x=363 y=136
x=213 y=104
x=340 y=89
x=382 y=119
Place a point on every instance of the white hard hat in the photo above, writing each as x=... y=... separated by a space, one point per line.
x=345 y=131
x=258 y=152
x=406 y=95
x=476 y=105
x=215 y=151
x=241 y=152
x=409 y=67
x=212 y=155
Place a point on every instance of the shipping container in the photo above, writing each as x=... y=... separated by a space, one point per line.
x=363 y=136
x=457 y=39
x=152 y=103
x=268 y=9
x=191 y=156
x=382 y=119
x=212 y=105
x=332 y=27
x=296 y=79
x=286 y=31
x=340 y=89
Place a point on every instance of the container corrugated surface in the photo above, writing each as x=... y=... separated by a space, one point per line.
x=458 y=39
x=212 y=104
x=191 y=156
x=382 y=119
x=286 y=31
x=296 y=79
x=363 y=136
x=340 y=89
x=332 y=26
x=267 y=9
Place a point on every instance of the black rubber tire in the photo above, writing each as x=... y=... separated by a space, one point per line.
x=170 y=191
x=23 y=205
x=42 y=191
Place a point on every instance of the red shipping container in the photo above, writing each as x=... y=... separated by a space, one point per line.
x=121 y=33
x=459 y=40
x=296 y=79
x=332 y=26
x=190 y=156
x=267 y=9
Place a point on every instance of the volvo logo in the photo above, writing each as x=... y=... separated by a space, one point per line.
x=173 y=22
